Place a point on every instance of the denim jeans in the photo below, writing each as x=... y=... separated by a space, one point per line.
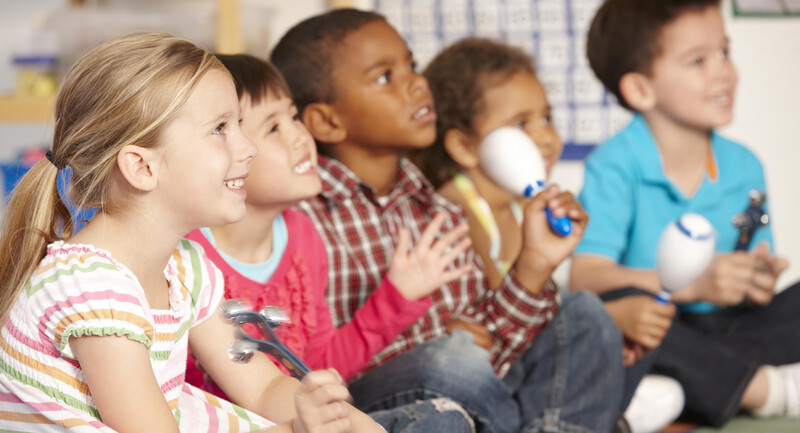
x=715 y=355
x=569 y=380
x=428 y=416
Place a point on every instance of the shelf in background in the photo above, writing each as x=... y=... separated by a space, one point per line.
x=18 y=109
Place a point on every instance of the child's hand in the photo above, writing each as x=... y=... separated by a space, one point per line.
x=642 y=319
x=320 y=402
x=479 y=332
x=543 y=250
x=767 y=270
x=418 y=272
x=738 y=275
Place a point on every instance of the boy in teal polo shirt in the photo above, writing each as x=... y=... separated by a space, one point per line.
x=668 y=62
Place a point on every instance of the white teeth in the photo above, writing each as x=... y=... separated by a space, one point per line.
x=720 y=99
x=421 y=112
x=302 y=167
x=235 y=183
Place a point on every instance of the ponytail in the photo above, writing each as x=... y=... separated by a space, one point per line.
x=35 y=217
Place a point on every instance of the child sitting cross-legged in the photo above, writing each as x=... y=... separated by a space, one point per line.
x=733 y=344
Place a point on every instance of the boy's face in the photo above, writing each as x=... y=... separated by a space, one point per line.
x=380 y=98
x=285 y=171
x=693 y=79
x=520 y=101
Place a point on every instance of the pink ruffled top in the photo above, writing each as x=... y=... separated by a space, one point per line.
x=298 y=287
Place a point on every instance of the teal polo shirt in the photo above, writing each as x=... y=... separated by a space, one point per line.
x=630 y=201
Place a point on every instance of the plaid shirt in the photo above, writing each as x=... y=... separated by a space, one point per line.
x=360 y=235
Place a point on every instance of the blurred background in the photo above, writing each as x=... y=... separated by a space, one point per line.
x=40 y=39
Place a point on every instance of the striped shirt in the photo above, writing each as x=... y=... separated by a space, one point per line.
x=80 y=290
x=360 y=235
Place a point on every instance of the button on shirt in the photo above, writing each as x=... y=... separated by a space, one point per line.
x=360 y=235
x=631 y=201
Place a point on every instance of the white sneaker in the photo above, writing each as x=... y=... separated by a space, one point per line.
x=790 y=373
x=657 y=401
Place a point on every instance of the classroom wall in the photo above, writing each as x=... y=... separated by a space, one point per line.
x=767 y=117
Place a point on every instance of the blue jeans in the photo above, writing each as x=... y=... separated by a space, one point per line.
x=436 y=416
x=569 y=380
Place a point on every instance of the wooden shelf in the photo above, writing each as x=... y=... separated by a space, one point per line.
x=19 y=109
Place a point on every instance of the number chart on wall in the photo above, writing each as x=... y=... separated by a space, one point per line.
x=553 y=32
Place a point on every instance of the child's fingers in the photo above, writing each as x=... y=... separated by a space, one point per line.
x=430 y=232
x=452 y=254
x=403 y=240
x=454 y=274
x=448 y=239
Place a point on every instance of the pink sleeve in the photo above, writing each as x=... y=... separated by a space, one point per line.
x=376 y=324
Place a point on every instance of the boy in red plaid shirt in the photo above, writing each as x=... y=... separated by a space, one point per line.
x=507 y=355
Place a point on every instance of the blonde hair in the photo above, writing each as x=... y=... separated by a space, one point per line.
x=123 y=92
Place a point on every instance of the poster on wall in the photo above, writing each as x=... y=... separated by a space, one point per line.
x=553 y=32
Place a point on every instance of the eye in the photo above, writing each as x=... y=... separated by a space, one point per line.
x=220 y=129
x=521 y=125
x=274 y=128
x=697 y=61
x=724 y=53
x=546 y=120
x=413 y=66
x=297 y=118
x=384 y=78
x=241 y=121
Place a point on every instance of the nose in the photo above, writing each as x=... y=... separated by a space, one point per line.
x=299 y=137
x=244 y=149
x=418 y=84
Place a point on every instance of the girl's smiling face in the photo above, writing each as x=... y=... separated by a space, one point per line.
x=206 y=156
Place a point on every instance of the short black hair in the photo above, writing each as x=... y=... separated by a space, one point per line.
x=305 y=54
x=458 y=78
x=624 y=36
x=254 y=77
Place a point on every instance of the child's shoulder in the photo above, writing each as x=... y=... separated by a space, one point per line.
x=78 y=267
x=735 y=157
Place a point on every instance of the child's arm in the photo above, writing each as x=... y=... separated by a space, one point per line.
x=642 y=319
x=600 y=274
x=318 y=404
x=398 y=302
x=542 y=250
x=120 y=377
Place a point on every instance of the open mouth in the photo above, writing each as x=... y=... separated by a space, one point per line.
x=304 y=167
x=721 y=99
x=422 y=112
x=234 y=183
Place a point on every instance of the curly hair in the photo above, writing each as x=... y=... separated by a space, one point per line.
x=458 y=78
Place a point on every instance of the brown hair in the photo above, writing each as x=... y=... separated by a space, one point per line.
x=458 y=78
x=623 y=36
x=254 y=77
x=123 y=92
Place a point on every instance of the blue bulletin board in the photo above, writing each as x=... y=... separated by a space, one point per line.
x=553 y=32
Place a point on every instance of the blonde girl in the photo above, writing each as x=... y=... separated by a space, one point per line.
x=96 y=325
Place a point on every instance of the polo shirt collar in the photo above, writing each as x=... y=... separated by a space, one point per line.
x=645 y=150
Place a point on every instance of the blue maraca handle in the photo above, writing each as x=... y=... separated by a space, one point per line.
x=560 y=226
x=664 y=297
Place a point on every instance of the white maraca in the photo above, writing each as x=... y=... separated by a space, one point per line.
x=511 y=159
x=685 y=250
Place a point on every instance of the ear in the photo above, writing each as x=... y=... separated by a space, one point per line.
x=324 y=124
x=461 y=148
x=636 y=90
x=138 y=166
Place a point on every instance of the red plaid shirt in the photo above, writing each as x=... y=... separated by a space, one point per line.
x=360 y=235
